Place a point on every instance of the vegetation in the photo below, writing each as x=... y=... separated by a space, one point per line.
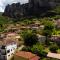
x=48 y=29
x=39 y=50
x=54 y=48
x=36 y=49
x=30 y=38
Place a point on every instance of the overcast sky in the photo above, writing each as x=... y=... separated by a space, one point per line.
x=3 y=3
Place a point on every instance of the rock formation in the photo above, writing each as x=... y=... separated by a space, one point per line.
x=32 y=8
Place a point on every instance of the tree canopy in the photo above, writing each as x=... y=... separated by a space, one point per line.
x=30 y=38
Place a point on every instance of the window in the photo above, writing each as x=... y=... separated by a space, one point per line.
x=8 y=55
x=8 y=51
x=3 y=52
x=11 y=49
x=3 y=47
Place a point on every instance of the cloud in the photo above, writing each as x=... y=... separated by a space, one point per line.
x=3 y=3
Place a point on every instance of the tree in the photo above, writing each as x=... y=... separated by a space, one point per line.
x=30 y=38
x=48 y=29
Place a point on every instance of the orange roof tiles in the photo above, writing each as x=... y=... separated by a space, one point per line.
x=27 y=55
x=35 y=58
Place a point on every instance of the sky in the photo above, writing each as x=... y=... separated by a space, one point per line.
x=3 y=3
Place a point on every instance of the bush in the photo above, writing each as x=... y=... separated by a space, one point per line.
x=26 y=49
x=53 y=48
x=43 y=54
x=39 y=50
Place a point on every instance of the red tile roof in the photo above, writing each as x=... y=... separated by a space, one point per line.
x=27 y=55
x=35 y=58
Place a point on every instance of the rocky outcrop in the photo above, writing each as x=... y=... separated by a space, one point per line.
x=44 y=3
x=33 y=8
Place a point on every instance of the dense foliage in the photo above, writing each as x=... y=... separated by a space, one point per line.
x=30 y=38
x=54 y=48
x=48 y=30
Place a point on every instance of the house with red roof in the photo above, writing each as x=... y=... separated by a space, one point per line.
x=22 y=55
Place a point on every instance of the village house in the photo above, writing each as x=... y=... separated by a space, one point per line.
x=13 y=28
x=41 y=38
x=41 y=27
x=8 y=44
x=7 y=49
x=24 y=27
x=22 y=55
x=34 y=26
x=15 y=37
x=12 y=35
x=55 y=38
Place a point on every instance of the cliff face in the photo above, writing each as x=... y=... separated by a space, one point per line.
x=33 y=8
x=45 y=2
x=16 y=10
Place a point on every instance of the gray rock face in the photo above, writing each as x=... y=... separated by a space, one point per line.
x=33 y=8
x=45 y=3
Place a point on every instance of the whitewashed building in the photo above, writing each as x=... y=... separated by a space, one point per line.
x=7 y=49
x=41 y=38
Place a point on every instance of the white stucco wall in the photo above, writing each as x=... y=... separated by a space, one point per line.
x=12 y=49
x=41 y=39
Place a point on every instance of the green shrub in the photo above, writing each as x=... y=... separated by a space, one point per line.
x=26 y=49
x=39 y=50
x=43 y=54
x=30 y=38
x=53 y=48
